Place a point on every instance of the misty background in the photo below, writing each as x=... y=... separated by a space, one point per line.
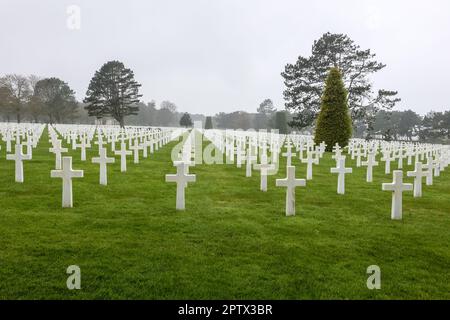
x=219 y=56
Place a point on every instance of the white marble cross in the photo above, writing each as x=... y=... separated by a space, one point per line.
x=103 y=160
x=437 y=167
x=181 y=178
x=57 y=150
x=264 y=168
x=151 y=143
x=29 y=144
x=387 y=159
x=123 y=156
x=301 y=148
x=18 y=157
x=409 y=154
x=337 y=152
x=66 y=174
x=321 y=149
x=187 y=164
x=341 y=170
x=370 y=163
x=83 y=145
x=145 y=145
x=397 y=187
x=290 y=182
x=113 y=143
x=358 y=154
x=8 y=138
x=288 y=154
x=240 y=154
x=418 y=174
x=249 y=159
x=136 y=147
x=99 y=142
x=429 y=167
x=310 y=160
x=400 y=157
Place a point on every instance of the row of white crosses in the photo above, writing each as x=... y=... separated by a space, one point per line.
x=242 y=146
x=392 y=151
x=20 y=134
x=139 y=138
x=358 y=149
x=86 y=135
x=25 y=134
x=18 y=157
x=397 y=187
x=248 y=145
x=437 y=160
x=261 y=142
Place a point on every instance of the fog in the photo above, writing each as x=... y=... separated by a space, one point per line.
x=224 y=55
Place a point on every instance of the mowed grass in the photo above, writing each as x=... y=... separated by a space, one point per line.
x=232 y=241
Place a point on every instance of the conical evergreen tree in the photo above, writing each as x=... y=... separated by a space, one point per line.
x=208 y=123
x=334 y=123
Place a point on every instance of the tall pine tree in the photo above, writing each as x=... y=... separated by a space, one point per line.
x=113 y=92
x=334 y=123
x=304 y=81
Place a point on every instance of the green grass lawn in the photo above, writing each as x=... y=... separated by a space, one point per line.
x=232 y=242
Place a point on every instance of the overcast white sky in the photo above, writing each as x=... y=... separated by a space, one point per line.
x=209 y=56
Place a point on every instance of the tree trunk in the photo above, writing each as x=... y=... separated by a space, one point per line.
x=121 y=122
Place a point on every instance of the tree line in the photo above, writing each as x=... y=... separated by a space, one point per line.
x=434 y=127
x=34 y=99
x=266 y=117
x=113 y=94
x=51 y=100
